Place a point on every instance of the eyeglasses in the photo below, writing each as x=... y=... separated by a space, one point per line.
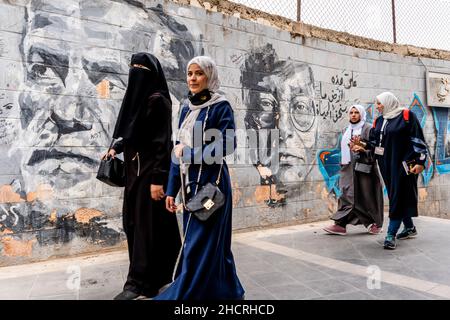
x=302 y=114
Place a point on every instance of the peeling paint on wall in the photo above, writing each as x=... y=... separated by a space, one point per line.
x=16 y=248
x=84 y=215
x=7 y=195
x=43 y=192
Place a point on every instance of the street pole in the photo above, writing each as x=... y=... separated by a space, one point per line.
x=394 y=29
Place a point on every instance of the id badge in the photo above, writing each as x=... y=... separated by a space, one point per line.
x=379 y=151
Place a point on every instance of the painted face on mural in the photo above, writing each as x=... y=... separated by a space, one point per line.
x=280 y=96
x=65 y=114
x=297 y=124
x=73 y=88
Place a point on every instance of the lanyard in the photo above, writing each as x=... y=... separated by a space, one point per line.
x=383 y=127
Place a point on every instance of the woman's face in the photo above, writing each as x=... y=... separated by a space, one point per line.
x=196 y=79
x=354 y=115
x=380 y=107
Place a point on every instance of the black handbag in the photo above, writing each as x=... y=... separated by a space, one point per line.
x=209 y=198
x=111 y=171
x=206 y=200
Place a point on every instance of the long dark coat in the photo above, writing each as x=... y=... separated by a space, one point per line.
x=145 y=125
x=402 y=140
x=361 y=201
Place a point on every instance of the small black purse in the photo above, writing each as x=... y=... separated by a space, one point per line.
x=206 y=201
x=111 y=171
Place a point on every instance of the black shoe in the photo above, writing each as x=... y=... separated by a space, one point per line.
x=389 y=242
x=126 y=295
x=407 y=233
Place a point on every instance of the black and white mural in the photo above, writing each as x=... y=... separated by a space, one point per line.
x=70 y=77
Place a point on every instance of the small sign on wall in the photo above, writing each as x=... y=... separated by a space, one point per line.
x=438 y=89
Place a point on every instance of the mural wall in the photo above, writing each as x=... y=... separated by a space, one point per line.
x=64 y=72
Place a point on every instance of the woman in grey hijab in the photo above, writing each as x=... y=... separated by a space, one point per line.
x=401 y=153
x=205 y=268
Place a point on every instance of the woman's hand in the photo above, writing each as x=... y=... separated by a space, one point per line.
x=170 y=204
x=156 y=192
x=356 y=144
x=357 y=148
x=111 y=153
x=178 y=150
x=418 y=168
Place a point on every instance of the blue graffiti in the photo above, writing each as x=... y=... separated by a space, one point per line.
x=419 y=110
x=442 y=153
x=329 y=166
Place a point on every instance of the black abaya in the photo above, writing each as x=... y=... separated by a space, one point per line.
x=152 y=232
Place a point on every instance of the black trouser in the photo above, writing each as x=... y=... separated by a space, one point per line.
x=342 y=222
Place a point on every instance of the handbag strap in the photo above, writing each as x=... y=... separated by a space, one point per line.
x=201 y=163
x=112 y=142
x=183 y=240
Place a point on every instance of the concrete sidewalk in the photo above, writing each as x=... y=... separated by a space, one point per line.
x=296 y=262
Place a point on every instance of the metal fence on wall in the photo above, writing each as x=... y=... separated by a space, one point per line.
x=421 y=23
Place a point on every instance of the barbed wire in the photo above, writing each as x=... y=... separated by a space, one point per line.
x=421 y=23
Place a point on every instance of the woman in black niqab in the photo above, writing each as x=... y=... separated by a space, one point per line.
x=145 y=78
x=144 y=124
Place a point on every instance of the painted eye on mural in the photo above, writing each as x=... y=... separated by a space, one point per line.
x=115 y=84
x=43 y=74
x=266 y=101
x=267 y=104
x=302 y=113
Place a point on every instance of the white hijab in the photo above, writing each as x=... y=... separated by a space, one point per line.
x=354 y=129
x=391 y=105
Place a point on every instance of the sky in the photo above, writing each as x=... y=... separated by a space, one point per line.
x=423 y=23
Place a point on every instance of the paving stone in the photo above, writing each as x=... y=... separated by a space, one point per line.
x=259 y=295
x=356 y=295
x=329 y=287
x=293 y=292
x=270 y=279
x=16 y=288
x=53 y=284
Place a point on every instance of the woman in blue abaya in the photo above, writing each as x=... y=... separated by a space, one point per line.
x=206 y=269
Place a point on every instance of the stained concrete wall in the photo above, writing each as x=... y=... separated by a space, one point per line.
x=64 y=71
